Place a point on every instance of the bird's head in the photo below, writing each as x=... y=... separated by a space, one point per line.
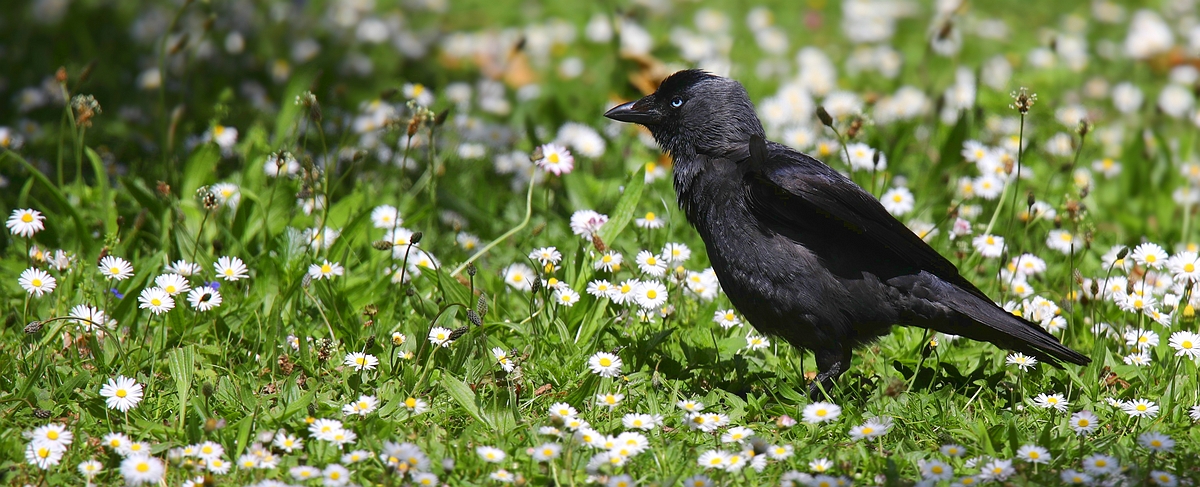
x=695 y=112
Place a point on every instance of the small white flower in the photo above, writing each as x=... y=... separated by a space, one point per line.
x=25 y=222
x=37 y=282
x=115 y=268
x=757 y=342
x=361 y=361
x=1022 y=361
x=988 y=245
x=231 y=268
x=605 y=364
x=325 y=270
x=1140 y=407
x=820 y=412
x=440 y=336
x=156 y=300
x=898 y=201
x=650 y=294
x=564 y=296
x=556 y=159
x=502 y=358
x=204 y=298
x=121 y=393
x=173 y=283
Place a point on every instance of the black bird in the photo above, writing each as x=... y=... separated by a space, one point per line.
x=803 y=252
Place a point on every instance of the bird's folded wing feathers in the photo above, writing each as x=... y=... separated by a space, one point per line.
x=795 y=190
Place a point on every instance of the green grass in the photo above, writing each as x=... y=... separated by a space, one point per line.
x=134 y=185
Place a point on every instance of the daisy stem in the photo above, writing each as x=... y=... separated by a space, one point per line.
x=199 y=232
x=329 y=161
x=267 y=212
x=321 y=310
x=1174 y=386
x=509 y=233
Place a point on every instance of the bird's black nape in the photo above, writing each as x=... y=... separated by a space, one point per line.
x=681 y=80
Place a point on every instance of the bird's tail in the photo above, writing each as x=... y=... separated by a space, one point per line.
x=983 y=320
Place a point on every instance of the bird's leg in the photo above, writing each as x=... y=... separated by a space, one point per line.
x=830 y=364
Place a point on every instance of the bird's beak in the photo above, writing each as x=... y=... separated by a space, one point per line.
x=633 y=113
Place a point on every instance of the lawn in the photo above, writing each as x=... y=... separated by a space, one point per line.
x=356 y=242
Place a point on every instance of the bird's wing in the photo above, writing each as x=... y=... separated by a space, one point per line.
x=798 y=195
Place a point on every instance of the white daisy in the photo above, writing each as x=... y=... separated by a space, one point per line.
x=25 y=222
x=121 y=393
x=231 y=268
x=115 y=268
x=172 y=283
x=156 y=300
x=37 y=282
x=325 y=270
x=204 y=298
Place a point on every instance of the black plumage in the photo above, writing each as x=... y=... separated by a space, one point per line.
x=803 y=252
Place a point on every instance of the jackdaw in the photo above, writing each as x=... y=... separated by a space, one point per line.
x=803 y=252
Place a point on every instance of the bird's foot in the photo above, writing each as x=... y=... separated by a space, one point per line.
x=831 y=364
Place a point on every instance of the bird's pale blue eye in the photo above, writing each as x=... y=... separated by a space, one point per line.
x=677 y=102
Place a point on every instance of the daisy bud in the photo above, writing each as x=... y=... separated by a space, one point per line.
x=1122 y=253
x=1095 y=287
x=1030 y=200
x=416 y=238
x=824 y=117
x=537 y=154
x=207 y=389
